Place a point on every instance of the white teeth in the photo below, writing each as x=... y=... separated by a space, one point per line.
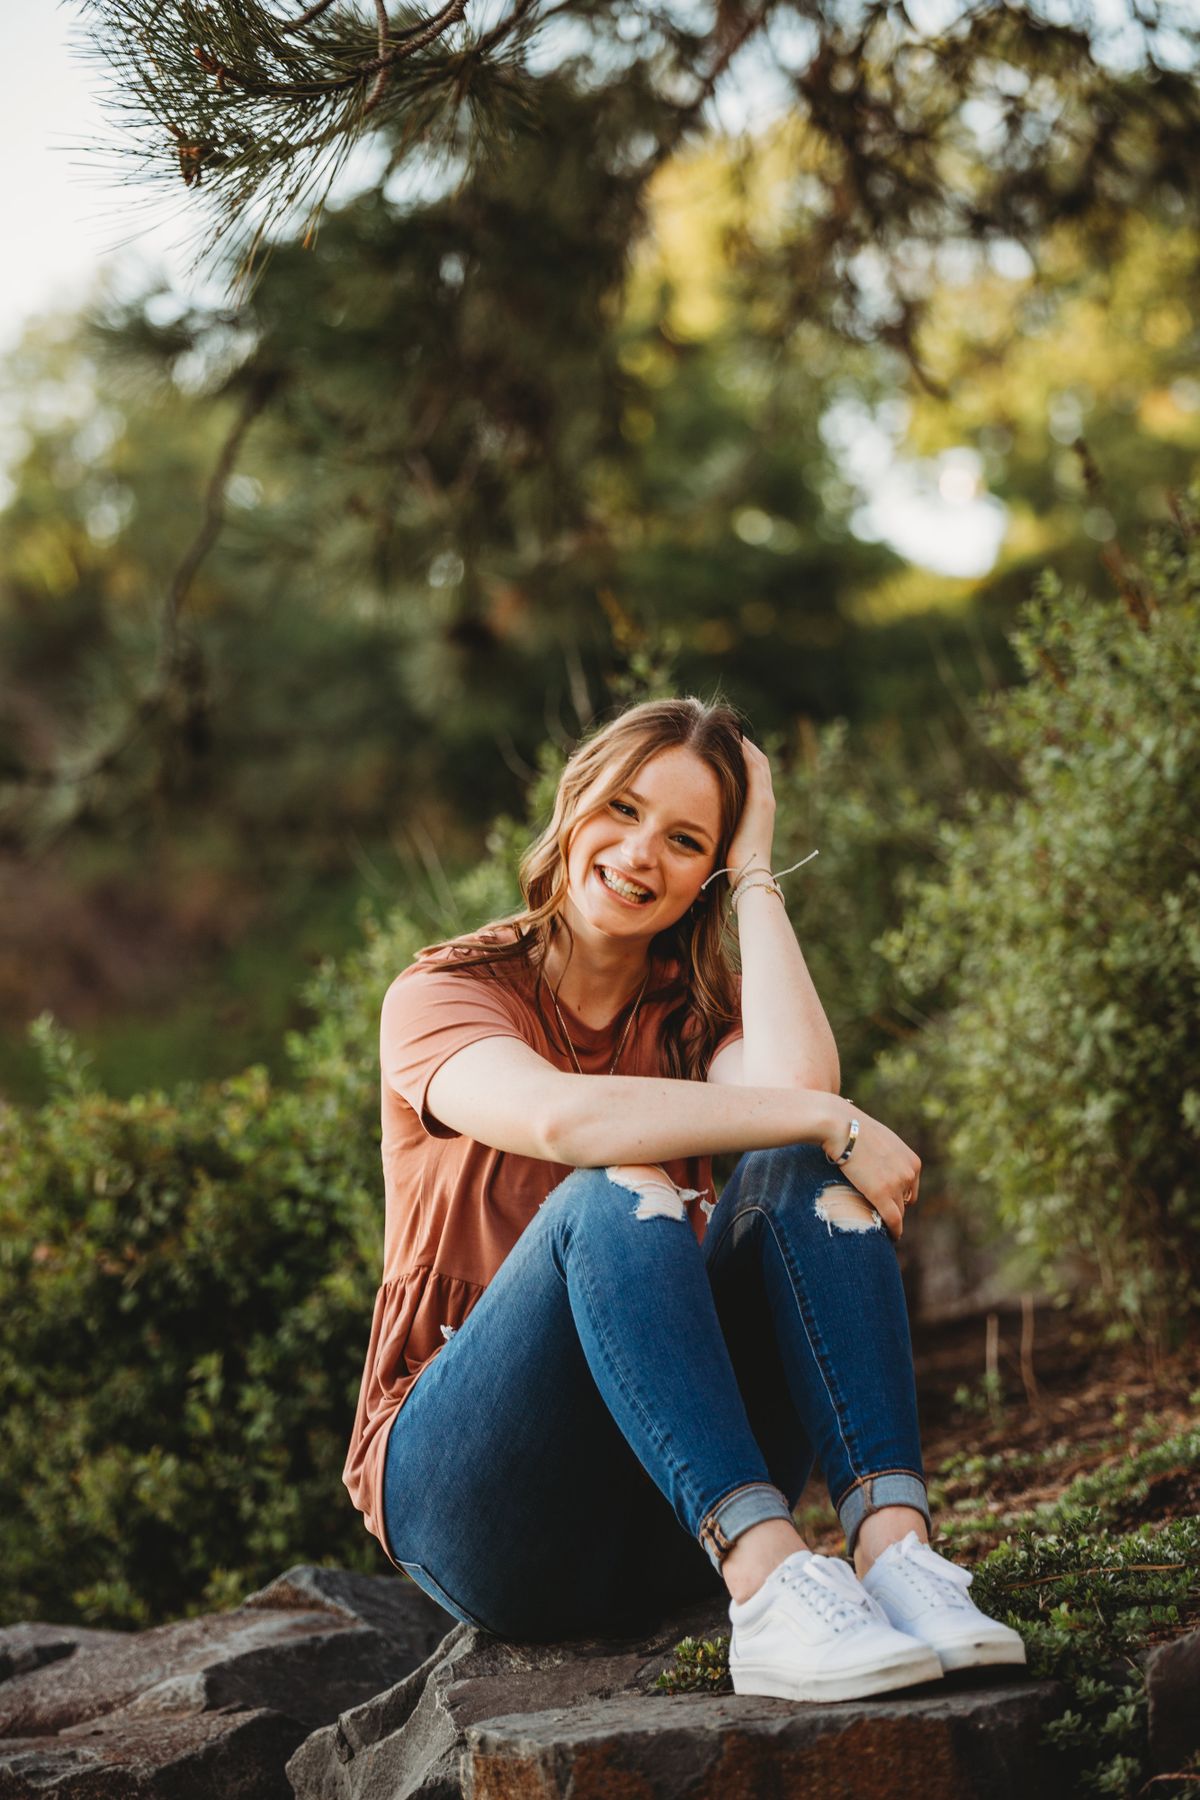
x=622 y=887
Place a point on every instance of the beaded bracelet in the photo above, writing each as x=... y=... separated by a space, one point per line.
x=742 y=881
x=743 y=887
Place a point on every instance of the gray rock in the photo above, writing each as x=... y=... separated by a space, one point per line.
x=981 y=1742
x=489 y=1720
x=212 y=1756
x=209 y=1707
x=174 y=1697
x=1173 y=1690
x=394 y=1607
x=402 y=1742
x=30 y=1646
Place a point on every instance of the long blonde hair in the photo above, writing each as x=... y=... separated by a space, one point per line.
x=611 y=757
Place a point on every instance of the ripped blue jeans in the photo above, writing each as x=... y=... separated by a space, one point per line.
x=624 y=1401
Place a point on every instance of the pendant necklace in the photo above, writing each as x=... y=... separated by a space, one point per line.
x=628 y=1024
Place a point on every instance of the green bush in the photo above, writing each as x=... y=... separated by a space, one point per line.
x=1060 y=926
x=872 y=813
x=185 y=1290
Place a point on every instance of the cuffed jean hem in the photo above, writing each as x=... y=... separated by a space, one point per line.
x=893 y=1487
x=746 y=1506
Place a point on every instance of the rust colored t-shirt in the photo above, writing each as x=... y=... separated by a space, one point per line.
x=455 y=1207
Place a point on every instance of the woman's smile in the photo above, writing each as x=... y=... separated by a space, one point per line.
x=624 y=888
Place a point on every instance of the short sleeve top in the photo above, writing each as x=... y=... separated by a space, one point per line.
x=454 y=1207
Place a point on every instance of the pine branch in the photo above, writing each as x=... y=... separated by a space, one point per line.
x=412 y=39
x=307 y=17
x=380 y=81
x=260 y=113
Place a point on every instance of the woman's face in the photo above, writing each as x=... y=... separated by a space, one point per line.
x=636 y=865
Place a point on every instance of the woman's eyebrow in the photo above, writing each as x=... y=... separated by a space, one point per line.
x=642 y=801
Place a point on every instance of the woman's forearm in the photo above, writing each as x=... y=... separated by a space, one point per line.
x=592 y=1120
x=787 y=1036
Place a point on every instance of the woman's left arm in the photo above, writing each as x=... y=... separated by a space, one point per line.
x=788 y=1041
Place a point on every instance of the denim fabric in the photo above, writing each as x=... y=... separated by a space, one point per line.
x=623 y=1401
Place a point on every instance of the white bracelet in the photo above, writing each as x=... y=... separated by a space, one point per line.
x=740 y=884
x=743 y=887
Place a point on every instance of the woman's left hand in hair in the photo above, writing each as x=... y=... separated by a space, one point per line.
x=754 y=835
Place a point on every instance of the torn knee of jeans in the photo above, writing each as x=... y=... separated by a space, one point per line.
x=658 y=1196
x=845 y=1209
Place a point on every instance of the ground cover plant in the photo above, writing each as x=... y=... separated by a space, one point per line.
x=1086 y=1604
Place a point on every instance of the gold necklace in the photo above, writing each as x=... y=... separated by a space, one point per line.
x=628 y=1023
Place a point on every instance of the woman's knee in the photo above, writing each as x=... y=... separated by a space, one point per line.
x=594 y=1191
x=801 y=1175
x=657 y=1195
x=784 y=1166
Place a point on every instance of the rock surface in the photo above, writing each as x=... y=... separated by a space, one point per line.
x=484 y=1720
x=1173 y=1691
x=332 y=1686
x=206 y=1709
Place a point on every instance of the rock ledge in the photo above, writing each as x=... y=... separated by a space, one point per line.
x=332 y=1686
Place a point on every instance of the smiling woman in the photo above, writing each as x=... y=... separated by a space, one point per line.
x=593 y=1390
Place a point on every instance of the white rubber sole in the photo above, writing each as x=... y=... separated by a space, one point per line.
x=846 y=1684
x=982 y=1655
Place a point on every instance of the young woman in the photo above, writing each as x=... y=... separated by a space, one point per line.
x=592 y=1393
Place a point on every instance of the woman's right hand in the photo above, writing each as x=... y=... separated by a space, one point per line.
x=881 y=1165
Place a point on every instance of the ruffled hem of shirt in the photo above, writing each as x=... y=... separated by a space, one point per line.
x=415 y=1315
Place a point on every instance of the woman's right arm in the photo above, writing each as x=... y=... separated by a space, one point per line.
x=499 y=1091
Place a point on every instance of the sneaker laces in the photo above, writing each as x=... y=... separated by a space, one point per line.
x=942 y=1582
x=833 y=1591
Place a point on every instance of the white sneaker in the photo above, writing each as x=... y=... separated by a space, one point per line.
x=926 y=1597
x=812 y=1633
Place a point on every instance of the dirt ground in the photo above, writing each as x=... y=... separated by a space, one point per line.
x=996 y=1449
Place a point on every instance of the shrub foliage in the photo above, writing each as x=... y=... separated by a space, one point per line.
x=183 y=1286
x=1059 y=924
x=186 y=1285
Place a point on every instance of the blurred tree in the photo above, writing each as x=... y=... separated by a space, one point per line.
x=417 y=576
x=339 y=558
x=1076 y=387
x=457 y=440
x=453 y=365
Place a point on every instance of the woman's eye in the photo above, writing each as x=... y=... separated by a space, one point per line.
x=623 y=806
